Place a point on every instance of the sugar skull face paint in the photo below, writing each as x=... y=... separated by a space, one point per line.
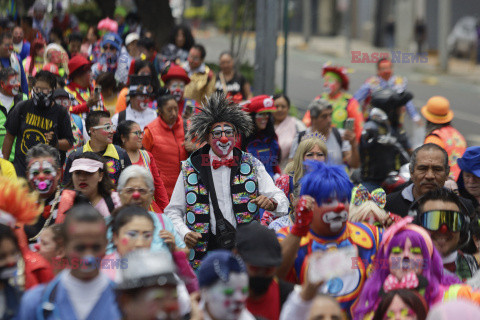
x=11 y=86
x=226 y=300
x=42 y=176
x=222 y=139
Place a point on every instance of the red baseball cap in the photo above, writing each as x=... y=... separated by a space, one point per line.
x=262 y=103
x=176 y=72
x=51 y=67
x=77 y=62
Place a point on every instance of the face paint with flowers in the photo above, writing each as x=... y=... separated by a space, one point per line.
x=331 y=84
x=222 y=139
x=226 y=300
x=42 y=176
x=12 y=86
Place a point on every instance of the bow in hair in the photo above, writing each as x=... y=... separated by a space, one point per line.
x=361 y=195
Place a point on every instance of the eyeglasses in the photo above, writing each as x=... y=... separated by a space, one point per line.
x=217 y=134
x=434 y=219
x=44 y=90
x=107 y=127
x=63 y=102
x=138 y=133
x=130 y=191
x=175 y=86
x=109 y=48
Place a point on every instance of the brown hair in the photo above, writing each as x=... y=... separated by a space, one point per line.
x=410 y=297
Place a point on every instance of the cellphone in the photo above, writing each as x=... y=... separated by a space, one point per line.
x=349 y=124
x=320 y=267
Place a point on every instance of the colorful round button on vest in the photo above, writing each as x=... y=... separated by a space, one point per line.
x=250 y=186
x=245 y=169
x=191 y=197
x=252 y=207
x=335 y=285
x=190 y=217
x=192 y=179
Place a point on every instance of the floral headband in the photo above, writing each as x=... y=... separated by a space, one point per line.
x=405 y=224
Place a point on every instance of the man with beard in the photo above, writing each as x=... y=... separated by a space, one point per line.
x=262 y=254
x=321 y=225
x=35 y=121
x=220 y=187
x=9 y=97
x=444 y=216
x=429 y=170
x=81 y=291
x=43 y=174
x=101 y=130
x=175 y=81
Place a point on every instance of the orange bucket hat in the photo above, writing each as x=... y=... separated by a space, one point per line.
x=437 y=110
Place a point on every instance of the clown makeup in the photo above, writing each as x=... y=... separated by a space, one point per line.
x=399 y=310
x=334 y=214
x=41 y=175
x=405 y=260
x=331 y=83
x=140 y=102
x=12 y=86
x=222 y=139
x=226 y=300
x=177 y=88
x=136 y=234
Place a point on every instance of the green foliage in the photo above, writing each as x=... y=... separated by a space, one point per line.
x=88 y=13
x=222 y=15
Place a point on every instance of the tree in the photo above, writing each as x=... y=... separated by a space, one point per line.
x=156 y=16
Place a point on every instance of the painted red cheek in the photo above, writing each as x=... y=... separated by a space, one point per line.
x=124 y=241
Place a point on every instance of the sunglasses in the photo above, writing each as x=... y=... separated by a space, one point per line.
x=109 y=48
x=434 y=219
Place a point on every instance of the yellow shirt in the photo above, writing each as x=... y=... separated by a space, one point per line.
x=7 y=169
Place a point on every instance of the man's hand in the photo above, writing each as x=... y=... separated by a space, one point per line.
x=48 y=137
x=264 y=203
x=303 y=216
x=192 y=238
x=349 y=136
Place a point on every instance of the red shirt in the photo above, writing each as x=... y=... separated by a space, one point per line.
x=268 y=305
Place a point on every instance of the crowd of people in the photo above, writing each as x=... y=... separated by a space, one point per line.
x=137 y=183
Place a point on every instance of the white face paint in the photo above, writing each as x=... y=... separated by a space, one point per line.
x=335 y=214
x=226 y=300
x=222 y=145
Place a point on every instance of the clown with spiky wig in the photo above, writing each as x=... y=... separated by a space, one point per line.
x=220 y=186
x=321 y=225
x=20 y=268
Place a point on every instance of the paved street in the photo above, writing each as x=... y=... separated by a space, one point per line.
x=304 y=78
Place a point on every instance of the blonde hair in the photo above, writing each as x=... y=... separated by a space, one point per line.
x=362 y=212
x=296 y=166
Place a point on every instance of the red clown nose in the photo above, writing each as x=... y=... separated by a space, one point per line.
x=223 y=139
x=339 y=208
x=443 y=228
x=136 y=195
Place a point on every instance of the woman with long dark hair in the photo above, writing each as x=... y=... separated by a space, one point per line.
x=179 y=44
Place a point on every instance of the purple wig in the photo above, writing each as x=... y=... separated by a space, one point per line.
x=432 y=271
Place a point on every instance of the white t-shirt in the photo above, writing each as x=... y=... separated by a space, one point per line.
x=84 y=295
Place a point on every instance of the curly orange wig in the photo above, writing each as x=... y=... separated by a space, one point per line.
x=17 y=200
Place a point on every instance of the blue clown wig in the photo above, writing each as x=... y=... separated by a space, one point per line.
x=323 y=182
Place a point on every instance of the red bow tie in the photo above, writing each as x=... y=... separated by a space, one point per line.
x=227 y=162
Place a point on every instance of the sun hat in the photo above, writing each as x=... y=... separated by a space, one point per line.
x=437 y=110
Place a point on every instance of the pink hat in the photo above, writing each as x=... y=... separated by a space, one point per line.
x=108 y=24
x=87 y=165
